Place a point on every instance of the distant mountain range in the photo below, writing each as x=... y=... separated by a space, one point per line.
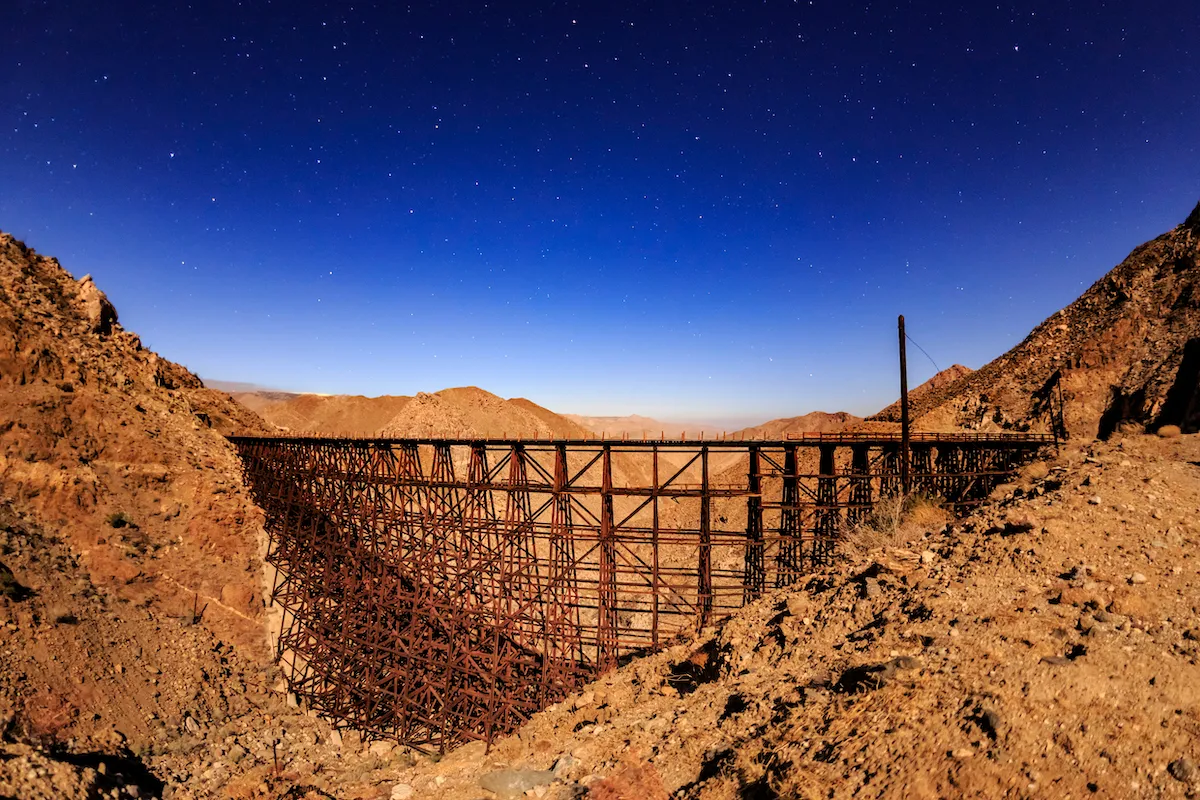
x=635 y=426
x=1126 y=352
x=470 y=411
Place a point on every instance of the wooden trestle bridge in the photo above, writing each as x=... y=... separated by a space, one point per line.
x=441 y=590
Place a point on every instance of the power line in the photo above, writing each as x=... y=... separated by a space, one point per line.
x=922 y=349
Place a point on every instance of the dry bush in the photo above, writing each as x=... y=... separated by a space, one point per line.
x=1033 y=472
x=895 y=523
x=923 y=513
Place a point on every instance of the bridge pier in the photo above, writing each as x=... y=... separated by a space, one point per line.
x=790 y=556
x=606 y=634
x=754 y=575
x=860 y=493
x=562 y=651
x=922 y=476
x=704 y=587
x=828 y=512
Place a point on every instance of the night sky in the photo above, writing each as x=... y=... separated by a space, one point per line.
x=674 y=210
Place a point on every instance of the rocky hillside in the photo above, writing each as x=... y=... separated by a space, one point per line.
x=935 y=384
x=471 y=412
x=1127 y=352
x=123 y=504
x=813 y=422
x=1015 y=653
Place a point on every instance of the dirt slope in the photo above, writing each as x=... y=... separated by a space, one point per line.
x=256 y=400
x=103 y=698
x=562 y=426
x=1127 y=351
x=123 y=515
x=935 y=384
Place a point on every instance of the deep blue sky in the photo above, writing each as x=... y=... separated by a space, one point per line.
x=673 y=210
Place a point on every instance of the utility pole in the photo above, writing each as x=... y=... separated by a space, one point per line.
x=905 y=478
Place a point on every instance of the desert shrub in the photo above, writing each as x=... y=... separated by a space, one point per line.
x=137 y=541
x=895 y=522
x=1033 y=472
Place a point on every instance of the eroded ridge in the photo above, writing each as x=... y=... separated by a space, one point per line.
x=441 y=590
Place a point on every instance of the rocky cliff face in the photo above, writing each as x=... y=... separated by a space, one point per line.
x=1127 y=352
x=123 y=520
x=120 y=452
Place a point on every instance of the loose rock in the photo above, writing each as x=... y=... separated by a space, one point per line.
x=1184 y=770
x=508 y=784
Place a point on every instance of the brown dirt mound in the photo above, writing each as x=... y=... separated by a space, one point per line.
x=428 y=415
x=472 y=412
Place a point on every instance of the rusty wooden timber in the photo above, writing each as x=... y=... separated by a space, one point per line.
x=436 y=591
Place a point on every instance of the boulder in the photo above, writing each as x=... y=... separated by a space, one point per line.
x=101 y=315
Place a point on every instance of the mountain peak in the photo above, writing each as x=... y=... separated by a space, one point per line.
x=1192 y=223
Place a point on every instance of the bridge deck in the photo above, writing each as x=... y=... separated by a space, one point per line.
x=1004 y=439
